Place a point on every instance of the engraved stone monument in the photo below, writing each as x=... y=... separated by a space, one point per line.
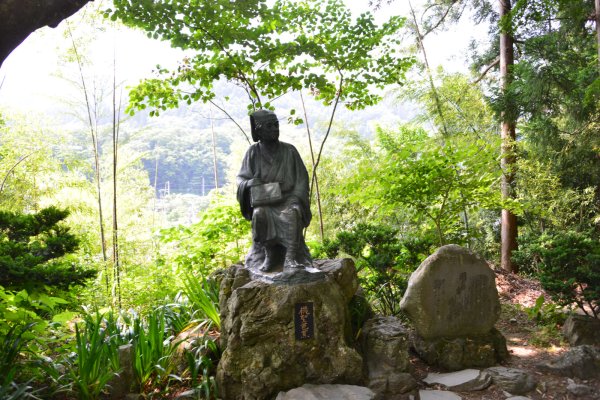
x=453 y=303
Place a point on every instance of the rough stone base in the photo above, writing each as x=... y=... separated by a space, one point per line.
x=262 y=354
x=454 y=354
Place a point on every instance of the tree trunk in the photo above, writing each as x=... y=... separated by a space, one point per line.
x=508 y=158
x=21 y=17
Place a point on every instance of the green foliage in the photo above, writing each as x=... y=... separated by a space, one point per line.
x=201 y=368
x=152 y=349
x=217 y=240
x=38 y=308
x=568 y=266
x=548 y=205
x=268 y=49
x=437 y=181
x=179 y=155
x=13 y=342
x=30 y=246
x=545 y=312
x=203 y=295
x=548 y=317
x=14 y=391
x=384 y=262
x=97 y=355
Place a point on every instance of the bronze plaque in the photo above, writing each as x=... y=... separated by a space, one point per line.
x=304 y=321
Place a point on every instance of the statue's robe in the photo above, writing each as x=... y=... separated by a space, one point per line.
x=278 y=225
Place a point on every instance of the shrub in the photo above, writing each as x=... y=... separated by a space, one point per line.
x=32 y=247
x=384 y=262
x=568 y=266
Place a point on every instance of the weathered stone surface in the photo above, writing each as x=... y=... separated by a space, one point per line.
x=467 y=380
x=327 y=392
x=190 y=340
x=384 y=345
x=452 y=294
x=122 y=384
x=343 y=272
x=262 y=355
x=437 y=395
x=582 y=329
x=579 y=362
x=392 y=384
x=455 y=354
x=578 y=389
x=512 y=380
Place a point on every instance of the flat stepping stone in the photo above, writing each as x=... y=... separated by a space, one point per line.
x=327 y=392
x=438 y=395
x=462 y=381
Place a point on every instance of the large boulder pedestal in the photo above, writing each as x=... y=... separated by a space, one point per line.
x=279 y=332
x=453 y=303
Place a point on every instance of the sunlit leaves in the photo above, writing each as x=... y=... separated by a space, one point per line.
x=438 y=181
x=268 y=49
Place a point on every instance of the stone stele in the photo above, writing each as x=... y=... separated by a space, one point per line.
x=452 y=294
x=262 y=354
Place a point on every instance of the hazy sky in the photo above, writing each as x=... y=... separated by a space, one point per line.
x=29 y=75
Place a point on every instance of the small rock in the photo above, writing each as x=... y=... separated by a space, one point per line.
x=384 y=343
x=395 y=383
x=579 y=390
x=579 y=362
x=327 y=392
x=518 y=398
x=462 y=381
x=438 y=395
x=582 y=329
x=188 y=394
x=512 y=380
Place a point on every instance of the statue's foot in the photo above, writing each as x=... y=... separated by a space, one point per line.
x=291 y=264
x=266 y=266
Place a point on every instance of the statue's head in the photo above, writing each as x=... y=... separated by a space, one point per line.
x=264 y=126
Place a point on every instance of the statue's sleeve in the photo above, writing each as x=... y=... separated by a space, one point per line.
x=243 y=188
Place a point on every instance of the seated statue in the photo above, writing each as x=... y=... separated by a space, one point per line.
x=273 y=194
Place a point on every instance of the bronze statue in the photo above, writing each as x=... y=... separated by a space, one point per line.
x=273 y=194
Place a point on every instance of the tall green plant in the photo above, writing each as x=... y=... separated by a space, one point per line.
x=202 y=368
x=97 y=359
x=153 y=349
x=12 y=343
x=203 y=295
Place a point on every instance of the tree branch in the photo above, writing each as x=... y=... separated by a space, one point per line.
x=486 y=70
